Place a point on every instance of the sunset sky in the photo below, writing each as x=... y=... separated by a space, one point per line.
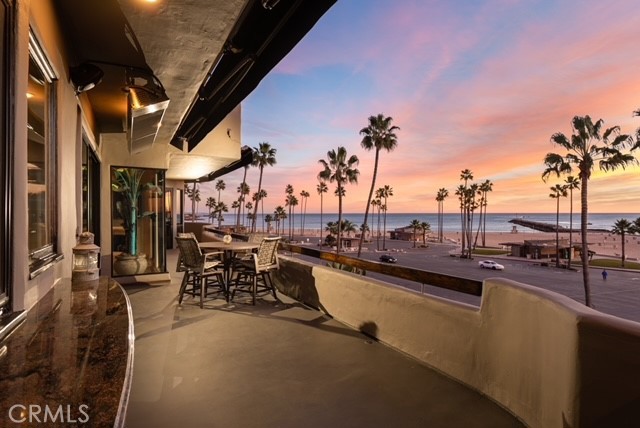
x=472 y=84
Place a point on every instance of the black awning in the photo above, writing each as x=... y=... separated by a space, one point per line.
x=261 y=38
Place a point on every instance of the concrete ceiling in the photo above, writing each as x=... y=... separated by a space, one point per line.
x=181 y=40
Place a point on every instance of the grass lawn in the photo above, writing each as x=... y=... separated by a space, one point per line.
x=613 y=263
x=489 y=251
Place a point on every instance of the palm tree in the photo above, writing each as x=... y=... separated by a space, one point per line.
x=623 y=227
x=243 y=190
x=425 y=227
x=378 y=134
x=241 y=193
x=261 y=197
x=387 y=192
x=303 y=207
x=572 y=183
x=221 y=207
x=194 y=195
x=211 y=204
x=558 y=191
x=220 y=186
x=484 y=187
x=263 y=155
x=291 y=202
x=279 y=214
x=235 y=205
x=321 y=188
x=584 y=151
x=440 y=197
x=342 y=169
x=268 y=219
x=415 y=224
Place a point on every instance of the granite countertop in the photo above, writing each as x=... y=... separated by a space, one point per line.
x=70 y=362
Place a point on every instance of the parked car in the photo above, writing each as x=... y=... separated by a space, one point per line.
x=490 y=264
x=388 y=258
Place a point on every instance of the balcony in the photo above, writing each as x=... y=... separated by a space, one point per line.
x=424 y=361
x=281 y=364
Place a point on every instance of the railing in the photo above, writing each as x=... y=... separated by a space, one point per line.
x=462 y=285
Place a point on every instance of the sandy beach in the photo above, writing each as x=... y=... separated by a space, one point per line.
x=603 y=243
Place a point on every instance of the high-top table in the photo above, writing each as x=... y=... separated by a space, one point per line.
x=228 y=251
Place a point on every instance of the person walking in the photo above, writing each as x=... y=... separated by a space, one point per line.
x=604 y=274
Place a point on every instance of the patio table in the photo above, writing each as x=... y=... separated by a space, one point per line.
x=228 y=251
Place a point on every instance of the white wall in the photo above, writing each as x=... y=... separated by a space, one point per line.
x=548 y=359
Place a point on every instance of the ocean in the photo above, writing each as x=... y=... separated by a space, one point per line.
x=451 y=222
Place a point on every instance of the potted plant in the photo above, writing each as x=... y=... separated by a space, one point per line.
x=128 y=182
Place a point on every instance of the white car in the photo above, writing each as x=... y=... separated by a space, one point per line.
x=490 y=264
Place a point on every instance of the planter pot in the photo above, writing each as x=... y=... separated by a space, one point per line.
x=126 y=264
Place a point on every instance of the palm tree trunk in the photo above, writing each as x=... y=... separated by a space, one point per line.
x=366 y=210
x=557 y=232
x=321 y=225
x=583 y=235
x=570 y=229
x=339 y=238
x=255 y=211
x=623 y=254
x=384 y=227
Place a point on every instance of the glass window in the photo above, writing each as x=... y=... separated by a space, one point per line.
x=40 y=158
x=90 y=192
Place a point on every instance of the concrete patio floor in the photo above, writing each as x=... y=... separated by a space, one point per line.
x=280 y=364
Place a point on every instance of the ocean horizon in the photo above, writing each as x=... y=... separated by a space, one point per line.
x=495 y=222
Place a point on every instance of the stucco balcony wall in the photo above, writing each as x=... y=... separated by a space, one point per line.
x=549 y=360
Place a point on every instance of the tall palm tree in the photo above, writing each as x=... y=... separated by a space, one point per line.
x=572 y=183
x=279 y=214
x=387 y=192
x=341 y=169
x=558 y=191
x=416 y=225
x=426 y=228
x=484 y=187
x=194 y=195
x=268 y=219
x=291 y=202
x=241 y=193
x=303 y=207
x=378 y=134
x=220 y=186
x=379 y=196
x=211 y=204
x=221 y=207
x=440 y=197
x=263 y=155
x=587 y=146
x=235 y=205
x=321 y=188
x=243 y=190
x=261 y=197
x=623 y=227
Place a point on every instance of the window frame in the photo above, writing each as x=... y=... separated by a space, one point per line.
x=6 y=154
x=40 y=259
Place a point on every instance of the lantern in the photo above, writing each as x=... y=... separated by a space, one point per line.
x=85 y=259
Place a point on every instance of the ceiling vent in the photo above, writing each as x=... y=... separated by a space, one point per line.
x=146 y=105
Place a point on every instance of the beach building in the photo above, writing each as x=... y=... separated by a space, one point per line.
x=108 y=108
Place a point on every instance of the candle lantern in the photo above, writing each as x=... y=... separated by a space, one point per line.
x=85 y=259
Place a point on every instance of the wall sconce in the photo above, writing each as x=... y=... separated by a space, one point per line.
x=85 y=259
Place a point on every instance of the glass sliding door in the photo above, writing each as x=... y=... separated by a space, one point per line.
x=138 y=221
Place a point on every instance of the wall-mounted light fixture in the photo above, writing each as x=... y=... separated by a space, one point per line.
x=85 y=76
